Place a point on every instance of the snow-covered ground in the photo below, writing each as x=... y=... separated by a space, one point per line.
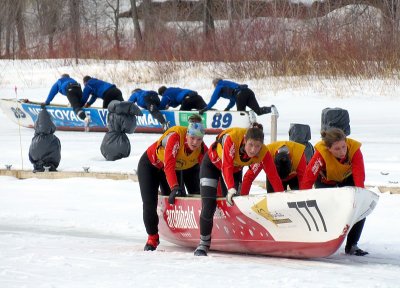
x=83 y=232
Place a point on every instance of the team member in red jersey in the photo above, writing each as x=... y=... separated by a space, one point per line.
x=233 y=149
x=179 y=150
x=290 y=162
x=338 y=162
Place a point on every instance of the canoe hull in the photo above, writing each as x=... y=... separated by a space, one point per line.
x=25 y=114
x=301 y=224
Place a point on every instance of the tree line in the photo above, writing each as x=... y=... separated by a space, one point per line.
x=331 y=36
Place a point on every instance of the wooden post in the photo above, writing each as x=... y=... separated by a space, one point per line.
x=274 y=123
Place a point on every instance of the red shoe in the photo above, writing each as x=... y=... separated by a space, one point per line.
x=152 y=242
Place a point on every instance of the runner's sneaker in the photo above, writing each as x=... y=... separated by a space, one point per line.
x=152 y=242
x=201 y=250
x=166 y=125
x=354 y=250
x=81 y=114
x=204 y=246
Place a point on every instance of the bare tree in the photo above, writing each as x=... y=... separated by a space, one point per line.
x=148 y=18
x=48 y=18
x=7 y=16
x=135 y=19
x=229 y=8
x=115 y=20
x=390 y=18
x=19 y=23
x=208 y=21
x=13 y=15
x=74 y=8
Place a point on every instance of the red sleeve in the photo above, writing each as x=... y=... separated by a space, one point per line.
x=171 y=150
x=301 y=168
x=227 y=166
x=249 y=177
x=272 y=173
x=313 y=168
x=358 y=170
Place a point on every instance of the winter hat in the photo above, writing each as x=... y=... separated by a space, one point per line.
x=282 y=162
x=161 y=90
x=215 y=81
x=195 y=129
x=86 y=79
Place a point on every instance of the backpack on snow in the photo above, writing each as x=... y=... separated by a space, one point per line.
x=301 y=133
x=335 y=118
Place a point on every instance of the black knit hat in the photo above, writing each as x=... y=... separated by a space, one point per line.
x=282 y=162
x=86 y=79
x=161 y=90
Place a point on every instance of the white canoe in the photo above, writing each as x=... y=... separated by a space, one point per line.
x=24 y=113
x=302 y=224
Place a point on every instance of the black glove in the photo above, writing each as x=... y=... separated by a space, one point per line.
x=176 y=192
x=201 y=112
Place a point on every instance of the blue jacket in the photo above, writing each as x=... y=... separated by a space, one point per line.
x=59 y=87
x=173 y=97
x=96 y=88
x=225 y=89
x=139 y=97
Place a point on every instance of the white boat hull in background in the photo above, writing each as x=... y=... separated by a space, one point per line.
x=25 y=114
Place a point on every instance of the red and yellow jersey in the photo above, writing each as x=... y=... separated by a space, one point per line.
x=171 y=152
x=297 y=157
x=229 y=156
x=333 y=170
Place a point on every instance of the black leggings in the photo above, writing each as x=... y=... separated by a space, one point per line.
x=246 y=97
x=113 y=93
x=151 y=179
x=74 y=95
x=209 y=177
x=193 y=101
x=152 y=102
x=355 y=232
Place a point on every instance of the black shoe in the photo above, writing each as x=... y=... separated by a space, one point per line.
x=81 y=114
x=354 y=250
x=265 y=110
x=200 y=251
x=149 y=247
x=204 y=246
x=152 y=242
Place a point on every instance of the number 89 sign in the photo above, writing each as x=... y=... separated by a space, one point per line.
x=221 y=120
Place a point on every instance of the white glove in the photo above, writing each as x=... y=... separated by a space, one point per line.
x=231 y=192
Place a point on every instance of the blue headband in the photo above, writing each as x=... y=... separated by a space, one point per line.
x=195 y=129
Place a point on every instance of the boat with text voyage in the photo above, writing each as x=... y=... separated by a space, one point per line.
x=24 y=113
x=300 y=224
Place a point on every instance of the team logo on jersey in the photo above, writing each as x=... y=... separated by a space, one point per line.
x=175 y=150
x=232 y=151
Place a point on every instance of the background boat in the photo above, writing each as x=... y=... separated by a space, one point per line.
x=24 y=113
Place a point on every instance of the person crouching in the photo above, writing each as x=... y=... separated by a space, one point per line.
x=178 y=150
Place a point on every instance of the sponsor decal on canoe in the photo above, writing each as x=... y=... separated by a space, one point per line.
x=261 y=208
x=179 y=218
